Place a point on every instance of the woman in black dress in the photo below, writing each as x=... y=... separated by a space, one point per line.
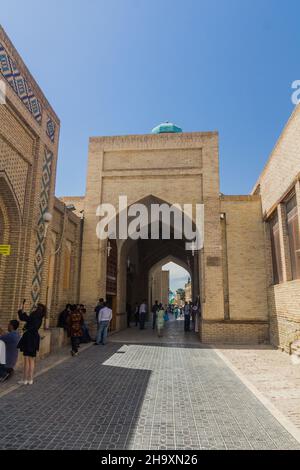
x=30 y=342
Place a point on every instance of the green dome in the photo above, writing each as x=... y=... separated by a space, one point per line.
x=166 y=127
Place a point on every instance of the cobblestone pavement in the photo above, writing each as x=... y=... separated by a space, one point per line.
x=42 y=365
x=142 y=394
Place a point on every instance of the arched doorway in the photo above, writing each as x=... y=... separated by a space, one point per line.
x=138 y=257
x=10 y=233
x=160 y=267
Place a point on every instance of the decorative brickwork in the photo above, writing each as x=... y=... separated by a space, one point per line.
x=43 y=208
x=50 y=131
x=19 y=83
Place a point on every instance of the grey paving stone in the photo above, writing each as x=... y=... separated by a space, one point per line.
x=153 y=396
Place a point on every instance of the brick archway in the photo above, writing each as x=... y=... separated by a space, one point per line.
x=136 y=257
x=10 y=233
x=158 y=266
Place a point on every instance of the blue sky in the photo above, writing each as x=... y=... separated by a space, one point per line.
x=178 y=275
x=111 y=67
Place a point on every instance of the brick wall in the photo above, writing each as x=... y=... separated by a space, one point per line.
x=284 y=305
x=77 y=202
x=67 y=228
x=231 y=332
x=244 y=272
x=279 y=177
x=283 y=165
x=246 y=263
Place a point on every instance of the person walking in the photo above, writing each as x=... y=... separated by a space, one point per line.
x=29 y=344
x=160 y=320
x=97 y=309
x=128 y=313
x=187 y=316
x=86 y=337
x=75 y=322
x=197 y=308
x=155 y=309
x=166 y=316
x=136 y=313
x=142 y=314
x=104 y=319
x=62 y=318
x=192 y=314
x=195 y=314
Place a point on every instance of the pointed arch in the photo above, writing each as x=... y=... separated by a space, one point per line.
x=11 y=234
x=169 y=259
x=137 y=257
x=159 y=264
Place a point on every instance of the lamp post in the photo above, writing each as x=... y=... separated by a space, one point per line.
x=47 y=217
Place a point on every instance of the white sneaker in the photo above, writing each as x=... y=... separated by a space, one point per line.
x=23 y=382
x=30 y=382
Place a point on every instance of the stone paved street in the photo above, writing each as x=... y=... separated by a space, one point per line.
x=140 y=393
x=273 y=373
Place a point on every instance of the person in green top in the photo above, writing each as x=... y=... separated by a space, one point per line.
x=160 y=321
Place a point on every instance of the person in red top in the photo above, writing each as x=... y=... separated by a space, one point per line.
x=75 y=322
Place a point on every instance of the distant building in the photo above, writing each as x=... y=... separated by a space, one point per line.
x=159 y=288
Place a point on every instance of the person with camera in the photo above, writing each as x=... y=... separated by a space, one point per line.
x=29 y=344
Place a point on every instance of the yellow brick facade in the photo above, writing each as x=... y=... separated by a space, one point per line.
x=280 y=177
x=195 y=160
x=26 y=151
x=183 y=168
x=29 y=134
x=244 y=269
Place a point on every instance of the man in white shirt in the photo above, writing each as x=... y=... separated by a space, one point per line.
x=104 y=319
x=187 y=316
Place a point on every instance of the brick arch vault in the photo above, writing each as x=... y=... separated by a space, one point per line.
x=137 y=258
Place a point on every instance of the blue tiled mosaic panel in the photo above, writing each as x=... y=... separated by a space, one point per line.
x=40 y=243
x=50 y=129
x=19 y=84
